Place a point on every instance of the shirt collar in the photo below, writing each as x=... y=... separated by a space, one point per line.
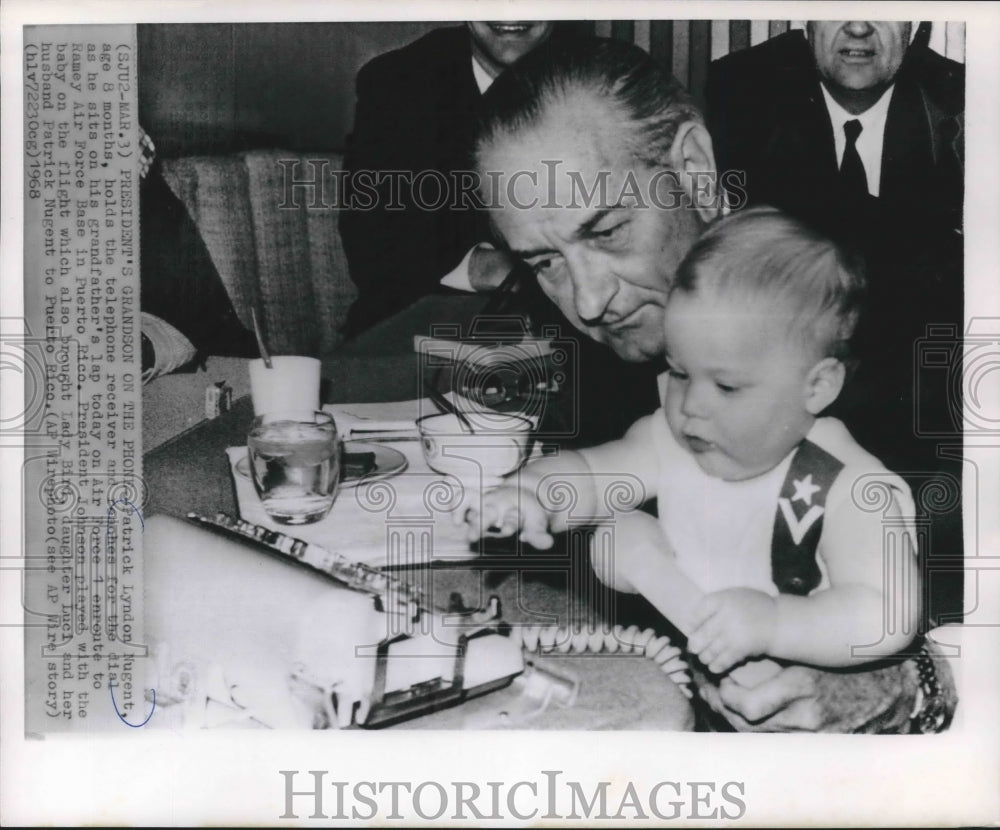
x=483 y=78
x=872 y=119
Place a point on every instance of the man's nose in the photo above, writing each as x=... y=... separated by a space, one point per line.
x=593 y=288
x=859 y=28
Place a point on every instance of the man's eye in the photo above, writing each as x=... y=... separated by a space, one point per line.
x=726 y=388
x=550 y=271
x=609 y=233
x=676 y=374
x=541 y=266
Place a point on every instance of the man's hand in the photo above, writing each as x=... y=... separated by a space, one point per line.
x=488 y=267
x=506 y=510
x=787 y=702
x=805 y=699
x=732 y=625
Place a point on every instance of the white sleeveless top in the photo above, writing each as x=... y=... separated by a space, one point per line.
x=721 y=530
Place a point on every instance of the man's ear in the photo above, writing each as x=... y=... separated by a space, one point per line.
x=823 y=384
x=692 y=157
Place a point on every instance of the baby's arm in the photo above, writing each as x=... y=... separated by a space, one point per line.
x=531 y=504
x=644 y=562
x=641 y=560
x=872 y=603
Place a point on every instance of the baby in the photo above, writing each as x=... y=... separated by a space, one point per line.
x=800 y=541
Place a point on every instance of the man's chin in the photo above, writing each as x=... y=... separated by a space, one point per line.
x=634 y=350
x=635 y=344
x=858 y=81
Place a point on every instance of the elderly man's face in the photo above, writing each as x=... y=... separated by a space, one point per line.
x=858 y=55
x=607 y=264
x=498 y=44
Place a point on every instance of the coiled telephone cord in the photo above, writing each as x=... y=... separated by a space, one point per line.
x=536 y=639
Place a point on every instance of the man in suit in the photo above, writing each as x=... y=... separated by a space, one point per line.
x=609 y=114
x=782 y=113
x=857 y=127
x=416 y=111
x=854 y=128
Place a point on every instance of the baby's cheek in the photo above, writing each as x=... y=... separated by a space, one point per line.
x=672 y=414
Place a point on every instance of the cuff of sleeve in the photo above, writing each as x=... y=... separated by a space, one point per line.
x=171 y=349
x=458 y=278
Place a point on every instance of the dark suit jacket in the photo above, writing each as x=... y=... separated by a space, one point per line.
x=415 y=111
x=768 y=118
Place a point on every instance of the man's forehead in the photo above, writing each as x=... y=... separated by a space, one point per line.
x=577 y=124
x=573 y=157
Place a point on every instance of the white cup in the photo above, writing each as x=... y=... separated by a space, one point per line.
x=290 y=385
x=497 y=445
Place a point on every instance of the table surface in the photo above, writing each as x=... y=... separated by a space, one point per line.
x=191 y=473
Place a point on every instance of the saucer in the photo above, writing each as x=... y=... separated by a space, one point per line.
x=388 y=462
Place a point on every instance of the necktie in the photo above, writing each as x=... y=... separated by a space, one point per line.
x=852 y=171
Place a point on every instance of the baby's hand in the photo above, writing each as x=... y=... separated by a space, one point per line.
x=506 y=510
x=730 y=626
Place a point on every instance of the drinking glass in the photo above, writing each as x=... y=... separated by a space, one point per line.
x=295 y=465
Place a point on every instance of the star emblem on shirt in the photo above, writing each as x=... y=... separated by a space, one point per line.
x=804 y=489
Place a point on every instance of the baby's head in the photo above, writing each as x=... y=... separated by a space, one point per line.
x=758 y=329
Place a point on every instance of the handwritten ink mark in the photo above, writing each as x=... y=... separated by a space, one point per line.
x=121 y=717
x=135 y=509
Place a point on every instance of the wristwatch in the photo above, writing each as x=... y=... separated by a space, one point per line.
x=931 y=712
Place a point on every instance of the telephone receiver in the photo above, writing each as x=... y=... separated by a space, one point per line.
x=263 y=641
